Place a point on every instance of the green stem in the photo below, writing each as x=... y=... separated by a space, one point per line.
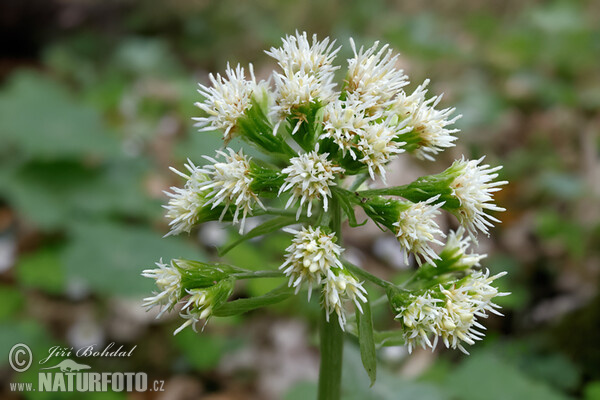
x=332 y=340
x=330 y=371
x=365 y=275
x=258 y=274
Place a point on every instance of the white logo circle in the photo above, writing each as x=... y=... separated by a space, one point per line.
x=20 y=357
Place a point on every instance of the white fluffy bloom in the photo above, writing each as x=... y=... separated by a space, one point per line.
x=310 y=256
x=309 y=176
x=197 y=307
x=339 y=287
x=227 y=100
x=307 y=75
x=344 y=120
x=168 y=281
x=298 y=54
x=186 y=203
x=230 y=183
x=450 y=314
x=458 y=244
x=378 y=145
x=416 y=229
x=473 y=187
x=420 y=319
x=426 y=122
x=372 y=74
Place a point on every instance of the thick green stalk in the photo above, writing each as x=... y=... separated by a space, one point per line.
x=332 y=339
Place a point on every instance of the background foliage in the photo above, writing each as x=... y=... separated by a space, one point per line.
x=95 y=104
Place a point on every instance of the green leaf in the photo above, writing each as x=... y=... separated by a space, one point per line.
x=39 y=118
x=267 y=227
x=109 y=258
x=244 y=305
x=42 y=270
x=484 y=372
x=366 y=342
x=202 y=350
x=389 y=338
x=12 y=301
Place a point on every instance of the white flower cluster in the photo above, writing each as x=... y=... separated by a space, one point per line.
x=315 y=135
x=227 y=100
x=473 y=187
x=450 y=313
x=309 y=177
x=314 y=258
x=306 y=77
x=185 y=204
x=230 y=184
x=416 y=230
x=168 y=281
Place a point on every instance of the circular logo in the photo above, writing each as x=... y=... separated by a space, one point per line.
x=20 y=357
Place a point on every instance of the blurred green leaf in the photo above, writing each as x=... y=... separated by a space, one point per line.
x=592 y=391
x=12 y=301
x=109 y=258
x=202 y=350
x=43 y=270
x=355 y=383
x=39 y=118
x=486 y=375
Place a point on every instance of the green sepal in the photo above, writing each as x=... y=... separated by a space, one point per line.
x=241 y=306
x=310 y=128
x=265 y=181
x=200 y=275
x=255 y=128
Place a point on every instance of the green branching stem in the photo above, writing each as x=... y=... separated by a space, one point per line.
x=361 y=273
x=258 y=274
x=332 y=341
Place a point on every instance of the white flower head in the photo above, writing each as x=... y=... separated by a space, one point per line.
x=185 y=203
x=306 y=77
x=426 y=122
x=227 y=100
x=197 y=307
x=339 y=287
x=458 y=243
x=343 y=120
x=309 y=176
x=309 y=257
x=372 y=74
x=378 y=144
x=420 y=319
x=298 y=54
x=230 y=184
x=168 y=282
x=450 y=313
x=416 y=230
x=473 y=187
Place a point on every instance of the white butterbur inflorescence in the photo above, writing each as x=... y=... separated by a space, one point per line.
x=309 y=176
x=416 y=230
x=473 y=186
x=185 y=204
x=340 y=286
x=230 y=184
x=323 y=143
x=227 y=100
x=168 y=282
x=310 y=256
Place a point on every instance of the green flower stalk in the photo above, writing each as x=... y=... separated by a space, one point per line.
x=322 y=141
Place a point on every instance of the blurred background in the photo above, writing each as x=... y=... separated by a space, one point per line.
x=96 y=100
